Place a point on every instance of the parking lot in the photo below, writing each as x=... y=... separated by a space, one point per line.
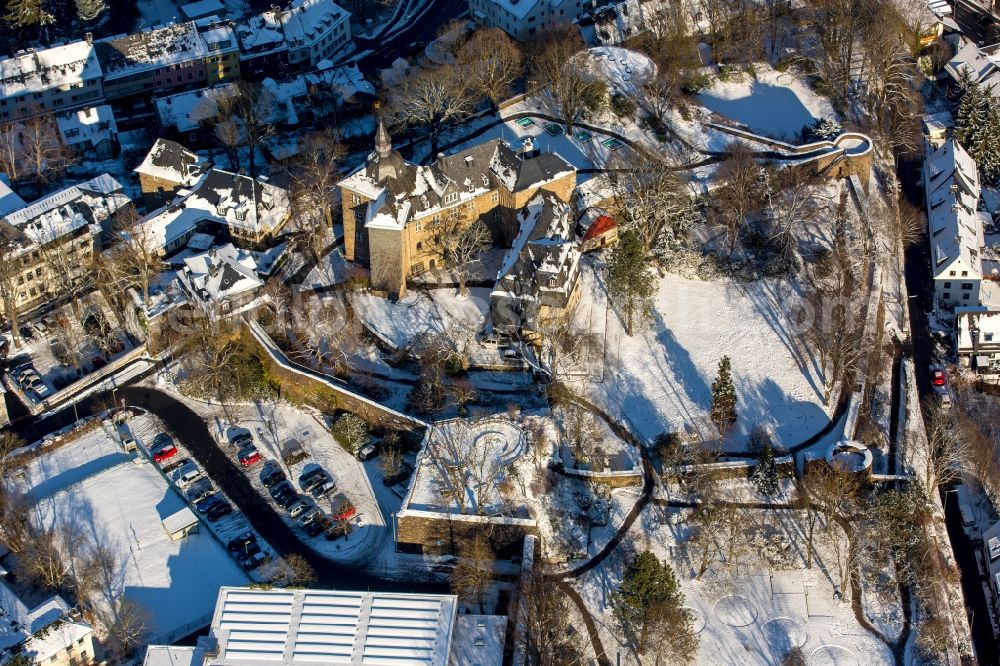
x=64 y=346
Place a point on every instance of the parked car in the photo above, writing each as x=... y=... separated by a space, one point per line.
x=40 y=390
x=342 y=507
x=98 y=362
x=288 y=499
x=256 y=560
x=188 y=477
x=241 y=440
x=165 y=452
x=309 y=515
x=367 y=452
x=317 y=480
x=938 y=376
x=306 y=477
x=271 y=475
x=27 y=333
x=319 y=524
x=241 y=541
x=249 y=456
x=162 y=439
x=219 y=510
x=246 y=553
x=199 y=491
x=324 y=489
x=296 y=508
x=206 y=503
x=125 y=436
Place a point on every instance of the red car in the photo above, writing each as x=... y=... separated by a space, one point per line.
x=342 y=508
x=248 y=458
x=938 y=378
x=164 y=453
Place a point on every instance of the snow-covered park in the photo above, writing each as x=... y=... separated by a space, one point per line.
x=660 y=379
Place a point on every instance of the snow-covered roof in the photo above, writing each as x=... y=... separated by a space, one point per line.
x=173 y=655
x=307 y=22
x=57 y=67
x=331 y=627
x=237 y=201
x=478 y=640
x=969 y=57
x=202 y=8
x=91 y=125
x=187 y=110
x=152 y=49
x=69 y=209
x=347 y=81
x=181 y=519
x=260 y=34
x=219 y=37
x=401 y=191
x=220 y=274
x=9 y=199
x=952 y=191
x=982 y=318
x=18 y=624
x=169 y=160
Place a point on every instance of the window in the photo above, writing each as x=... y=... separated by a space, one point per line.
x=966 y=286
x=988 y=337
x=946 y=295
x=451 y=197
x=420 y=245
x=480 y=642
x=965 y=273
x=965 y=297
x=355 y=199
x=947 y=285
x=951 y=273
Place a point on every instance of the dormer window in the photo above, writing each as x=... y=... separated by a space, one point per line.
x=451 y=197
x=220 y=209
x=241 y=214
x=486 y=180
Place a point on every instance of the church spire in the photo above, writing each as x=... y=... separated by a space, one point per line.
x=383 y=142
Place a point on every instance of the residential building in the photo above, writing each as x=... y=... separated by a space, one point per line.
x=981 y=67
x=51 y=633
x=539 y=277
x=168 y=167
x=937 y=127
x=250 y=209
x=89 y=132
x=56 y=79
x=338 y=627
x=222 y=57
x=977 y=340
x=159 y=60
x=263 y=50
x=186 y=115
x=524 y=19
x=991 y=556
x=597 y=229
x=222 y=281
x=392 y=209
x=59 y=234
x=951 y=187
x=315 y=30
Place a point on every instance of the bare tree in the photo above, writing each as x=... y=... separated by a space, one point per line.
x=550 y=638
x=948 y=452
x=582 y=433
x=12 y=257
x=460 y=245
x=314 y=178
x=10 y=151
x=42 y=555
x=430 y=98
x=473 y=572
x=563 y=82
x=44 y=154
x=491 y=61
x=740 y=194
x=391 y=460
x=134 y=259
x=245 y=120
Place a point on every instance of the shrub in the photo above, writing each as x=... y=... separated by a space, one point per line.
x=351 y=431
x=697 y=83
x=622 y=106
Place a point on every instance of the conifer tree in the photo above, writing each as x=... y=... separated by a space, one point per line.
x=631 y=284
x=724 y=397
x=765 y=473
x=25 y=13
x=977 y=127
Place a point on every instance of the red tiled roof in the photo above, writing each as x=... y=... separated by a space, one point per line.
x=599 y=227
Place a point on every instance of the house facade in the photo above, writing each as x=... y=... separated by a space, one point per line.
x=955 y=225
x=50 y=633
x=167 y=167
x=392 y=209
x=525 y=19
x=58 y=235
x=222 y=281
x=977 y=340
x=37 y=82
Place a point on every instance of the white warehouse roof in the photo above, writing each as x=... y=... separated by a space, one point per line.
x=331 y=627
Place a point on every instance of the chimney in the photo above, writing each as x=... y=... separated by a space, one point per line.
x=89 y=37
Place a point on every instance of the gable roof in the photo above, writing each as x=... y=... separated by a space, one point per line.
x=221 y=273
x=169 y=160
x=954 y=223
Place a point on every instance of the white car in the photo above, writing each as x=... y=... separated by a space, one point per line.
x=360 y=520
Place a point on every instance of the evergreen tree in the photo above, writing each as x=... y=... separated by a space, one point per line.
x=977 y=127
x=631 y=284
x=765 y=473
x=724 y=397
x=26 y=13
x=649 y=609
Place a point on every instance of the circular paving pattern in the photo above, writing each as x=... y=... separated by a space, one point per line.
x=784 y=633
x=736 y=611
x=697 y=619
x=832 y=655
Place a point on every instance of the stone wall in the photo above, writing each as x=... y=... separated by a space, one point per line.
x=157 y=192
x=442 y=533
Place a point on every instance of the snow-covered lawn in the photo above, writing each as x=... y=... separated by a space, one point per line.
x=117 y=500
x=750 y=618
x=660 y=379
x=774 y=103
x=434 y=311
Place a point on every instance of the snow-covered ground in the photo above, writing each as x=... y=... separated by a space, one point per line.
x=120 y=500
x=776 y=104
x=660 y=379
x=419 y=312
x=159 y=13
x=753 y=617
